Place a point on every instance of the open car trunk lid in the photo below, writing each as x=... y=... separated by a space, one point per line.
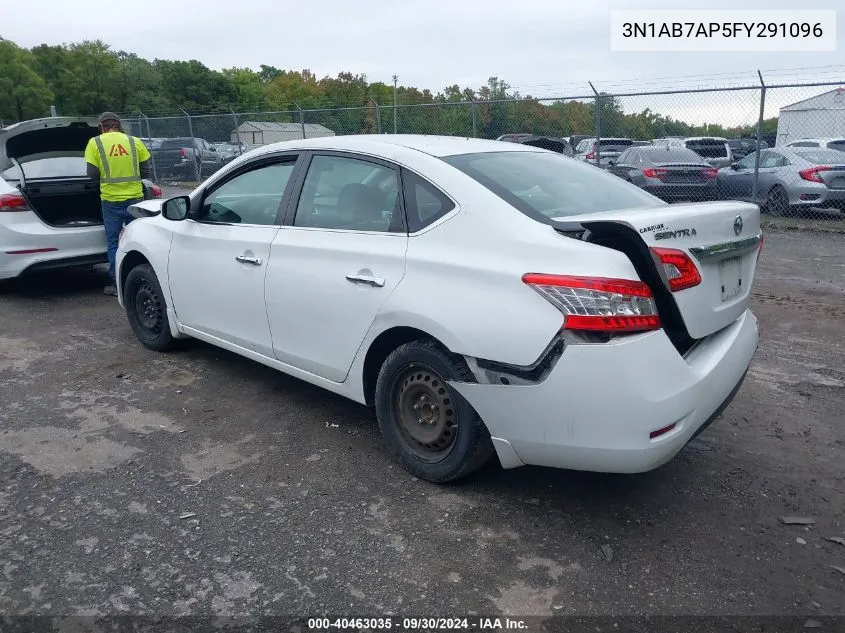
x=721 y=238
x=53 y=137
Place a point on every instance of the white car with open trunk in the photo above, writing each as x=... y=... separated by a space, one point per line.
x=484 y=297
x=50 y=215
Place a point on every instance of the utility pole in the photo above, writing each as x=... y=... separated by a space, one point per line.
x=395 y=80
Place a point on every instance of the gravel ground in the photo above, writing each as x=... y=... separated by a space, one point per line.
x=198 y=482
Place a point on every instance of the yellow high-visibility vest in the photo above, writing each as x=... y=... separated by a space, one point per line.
x=118 y=157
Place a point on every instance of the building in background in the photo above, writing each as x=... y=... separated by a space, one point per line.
x=265 y=132
x=822 y=116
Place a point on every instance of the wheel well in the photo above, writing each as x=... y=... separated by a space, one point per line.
x=132 y=259
x=381 y=348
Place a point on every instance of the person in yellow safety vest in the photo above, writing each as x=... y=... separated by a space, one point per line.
x=119 y=162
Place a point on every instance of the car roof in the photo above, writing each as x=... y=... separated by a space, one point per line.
x=377 y=144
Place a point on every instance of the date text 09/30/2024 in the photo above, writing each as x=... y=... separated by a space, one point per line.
x=417 y=624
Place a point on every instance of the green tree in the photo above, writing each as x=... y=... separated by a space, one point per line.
x=192 y=86
x=90 y=81
x=249 y=91
x=23 y=92
x=140 y=86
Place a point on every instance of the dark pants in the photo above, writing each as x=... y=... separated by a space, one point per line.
x=115 y=217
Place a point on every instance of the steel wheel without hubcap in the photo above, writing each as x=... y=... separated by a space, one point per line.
x=425 y=413
x=148 y=308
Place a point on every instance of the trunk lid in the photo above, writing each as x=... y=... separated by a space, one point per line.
x=680 y=173
x=721 y=238
x=57 y=136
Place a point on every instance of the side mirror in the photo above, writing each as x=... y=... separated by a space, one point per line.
x=176 y=209
x=735 y=165
x=611 y=163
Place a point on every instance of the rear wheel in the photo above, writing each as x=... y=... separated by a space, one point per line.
x=777 y=201
x=146 y=309
x=433 y=432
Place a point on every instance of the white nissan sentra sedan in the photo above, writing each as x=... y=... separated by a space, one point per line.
x=483 y=296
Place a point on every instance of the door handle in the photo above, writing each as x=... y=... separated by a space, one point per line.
x=246 y=259
x=376 y=282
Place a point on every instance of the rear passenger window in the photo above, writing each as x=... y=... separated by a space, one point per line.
x=351 y=194
x=424 y=203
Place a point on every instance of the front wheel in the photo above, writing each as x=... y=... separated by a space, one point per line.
x=429 y=427
x=146 y=309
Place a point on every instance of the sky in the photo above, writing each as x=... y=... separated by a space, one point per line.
x=540 y=47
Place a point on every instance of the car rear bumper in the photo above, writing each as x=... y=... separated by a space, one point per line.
x=25 y=240
x=816 y=195
x=597 y=408
x=672 y=192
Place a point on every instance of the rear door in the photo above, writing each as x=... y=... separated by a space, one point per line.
x=219 y=257
x=721 y=238
x=335 y=262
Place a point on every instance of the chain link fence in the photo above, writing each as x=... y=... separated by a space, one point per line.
x=680 y=145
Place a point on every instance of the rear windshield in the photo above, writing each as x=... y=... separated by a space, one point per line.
x=615 y=143
x=61 y=167
x=670 y=155
x=709 y=149
x=822 y=156
x=546 y=186
x=176 y=143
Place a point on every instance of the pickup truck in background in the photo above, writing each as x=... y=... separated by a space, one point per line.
x=185 y=158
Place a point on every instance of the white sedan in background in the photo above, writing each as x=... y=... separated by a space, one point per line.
x=484 y=297
x=50 y=213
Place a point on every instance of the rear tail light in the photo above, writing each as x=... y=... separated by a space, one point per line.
x=679 y=269
x=591 y=155
x=155 y=190
x=598 y=304
x=182 y=153
x=13 y=202
x=812 y=174
x=655 y=172
x=710 y=172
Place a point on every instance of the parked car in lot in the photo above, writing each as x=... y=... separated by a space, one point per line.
x=821 y=143
x=50 y=213
x=226 y=151
x=494 y=297
x=152 y=143
x=790 y=179
x=575 y=139
x=671 y=174
x=514 y=138
x=554 y=144
x=606 y=150
x=742 y=147
x=713 y=149
x=186 y=158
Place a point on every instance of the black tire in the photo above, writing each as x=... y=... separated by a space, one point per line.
x=777 y=202
x=457 y=442
x=146 y=309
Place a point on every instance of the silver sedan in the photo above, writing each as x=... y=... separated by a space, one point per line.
x=790 y=179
